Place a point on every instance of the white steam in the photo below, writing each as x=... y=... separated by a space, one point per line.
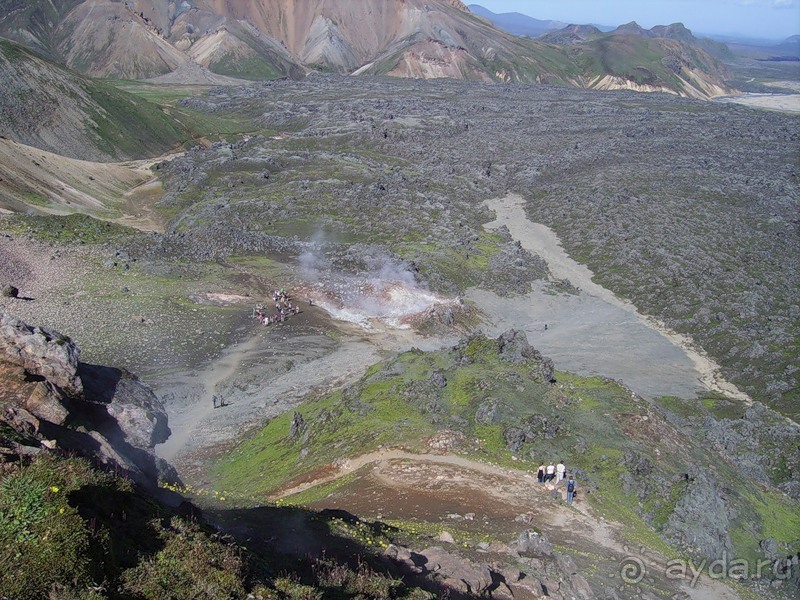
x=386 y=292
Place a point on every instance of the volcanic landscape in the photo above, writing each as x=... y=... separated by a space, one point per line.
x=645 y=245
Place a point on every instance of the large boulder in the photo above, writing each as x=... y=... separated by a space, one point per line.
x=41 y=352
x=136 y=412
x=532 y=543
x=514 y=347
x=458 y=573
x=103 y=413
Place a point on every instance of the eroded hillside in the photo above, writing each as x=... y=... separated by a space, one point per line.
x=270 y=39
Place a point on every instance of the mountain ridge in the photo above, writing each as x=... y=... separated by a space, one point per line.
x=270 y=39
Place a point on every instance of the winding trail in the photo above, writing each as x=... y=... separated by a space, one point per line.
x=485 y=487
x=596 y=332
x=254 y=390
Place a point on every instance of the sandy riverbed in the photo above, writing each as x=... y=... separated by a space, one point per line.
x=594 y=332
x=780 y=102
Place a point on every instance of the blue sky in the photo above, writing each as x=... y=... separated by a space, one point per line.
x=769 y=19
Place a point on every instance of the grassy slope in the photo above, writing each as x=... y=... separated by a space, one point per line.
x=629 y=57
x=120 y=119
x=601 y=428
x=69 y=531
x=116 y=123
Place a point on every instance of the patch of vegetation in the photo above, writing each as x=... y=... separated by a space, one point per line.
x=64 y=524
x=76 y=228
x=630 y=462
x=254 y=67
x=128 y=126
x=71 y=531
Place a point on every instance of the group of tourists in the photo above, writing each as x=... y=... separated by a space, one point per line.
x=556 y=474
x=283 y=308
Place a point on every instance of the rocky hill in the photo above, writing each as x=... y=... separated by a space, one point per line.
x=677 y=31
x=54 y=108
x=665 y=58
x=50 y=400
x=270 y=39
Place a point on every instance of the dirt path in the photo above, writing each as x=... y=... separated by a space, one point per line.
x=185 y=423
x=396 y=484
x=596 y=332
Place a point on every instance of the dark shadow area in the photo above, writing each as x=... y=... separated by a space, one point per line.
x=102 y=389
x=99 y=382
x=125 y=527
x=303 y=545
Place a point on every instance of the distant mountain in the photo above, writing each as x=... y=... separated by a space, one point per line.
x=664 y=59
x=267 y=39
x=652 y=64
x=516 y=23
x=632 y=28
x=789 y=48
x=676 y=31
x=572 y=34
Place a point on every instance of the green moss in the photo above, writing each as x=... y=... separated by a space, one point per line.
x=491 y=438
x=319 y=492
x=78 y=228
x=460 y=393
x=681 y=407
x=254 y=67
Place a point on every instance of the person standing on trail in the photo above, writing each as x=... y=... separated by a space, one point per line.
x=561 y=471
x=550 y=473
x=570 y=489
x=214 y=400
x=540 y=474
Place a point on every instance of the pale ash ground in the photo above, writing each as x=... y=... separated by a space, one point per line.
x=781 y=102
x=595 y=332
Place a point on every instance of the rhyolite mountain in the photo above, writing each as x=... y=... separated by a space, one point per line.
x=268 y=39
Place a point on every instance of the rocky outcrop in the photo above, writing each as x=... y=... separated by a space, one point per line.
x=501 y=573
x=514 y=347
x=41 y=352
x=53 y=401
x=700 y=521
